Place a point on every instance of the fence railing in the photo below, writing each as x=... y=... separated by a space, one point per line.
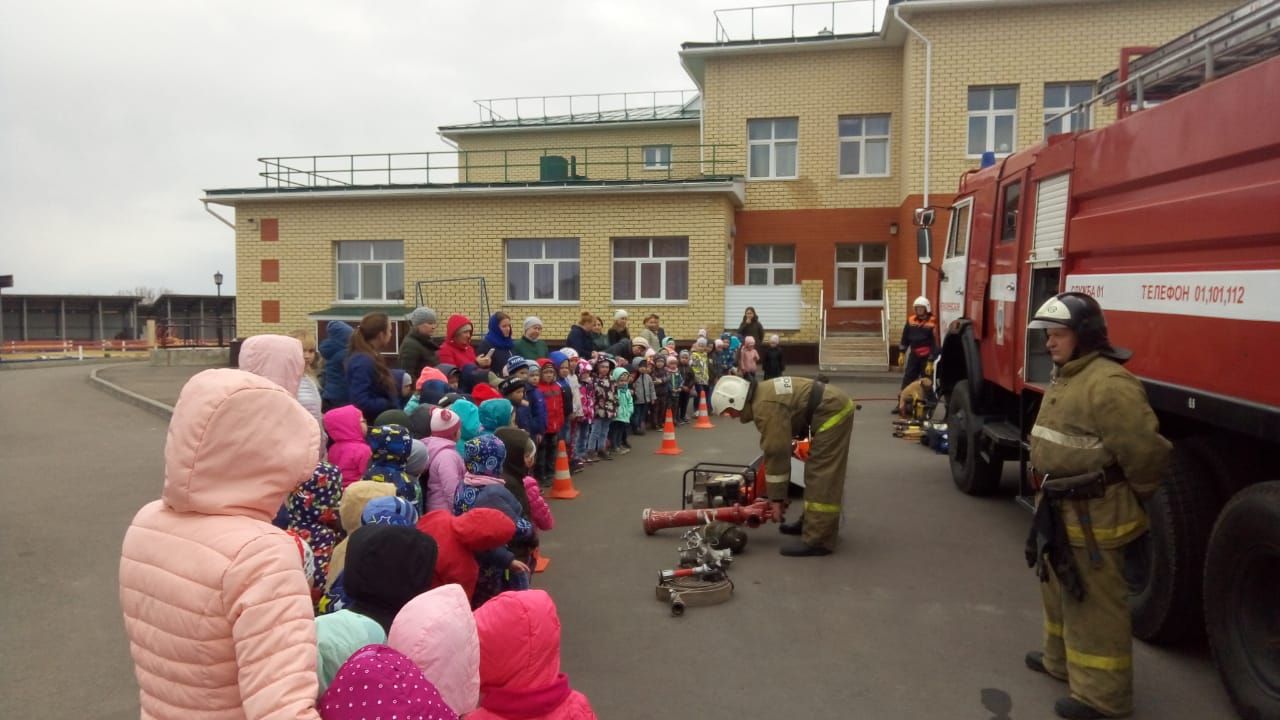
x=585 y=108
x=517 y=165
x=796 y=20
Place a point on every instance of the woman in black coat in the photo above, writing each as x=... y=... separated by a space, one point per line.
x=580 y=335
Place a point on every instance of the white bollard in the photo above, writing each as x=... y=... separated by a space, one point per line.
x=79 y=352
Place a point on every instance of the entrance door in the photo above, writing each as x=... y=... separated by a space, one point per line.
x=955 y=264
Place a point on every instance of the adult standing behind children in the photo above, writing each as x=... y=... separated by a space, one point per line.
x=618 y=330
x=531 y=346
x=599 y=341
x=497 y=343
x=215 y=602
x=652 y=331
x=580 y=335
x=369 y=381
x=751 y=327
x=333 y=350
x=419 y=349
x=457 y=350
x=309 y=386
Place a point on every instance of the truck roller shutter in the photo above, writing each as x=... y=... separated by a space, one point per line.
x=1051 y=218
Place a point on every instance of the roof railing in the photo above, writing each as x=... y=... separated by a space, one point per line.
x=815 y=19
x=1241 y=38
x=565 y=164
x=590 y=107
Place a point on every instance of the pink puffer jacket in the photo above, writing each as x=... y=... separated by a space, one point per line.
x=520 y=661
x=215 y=602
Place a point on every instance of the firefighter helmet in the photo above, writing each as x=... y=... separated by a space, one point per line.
x=922 y=300
x=730 y=393
x=1079 y=312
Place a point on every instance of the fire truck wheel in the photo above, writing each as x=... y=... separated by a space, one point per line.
x=972 y=474
x=1165 y=566
x=1242 y=582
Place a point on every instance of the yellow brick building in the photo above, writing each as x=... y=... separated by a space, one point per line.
x=787 y=177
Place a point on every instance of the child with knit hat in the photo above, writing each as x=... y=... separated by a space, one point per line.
x=346 y=427
x=643 y=393
x=748 y=358
x=391 y=445
x=484 y=486
x=444 y=464
x=586 y=401
x=700 y=364
x=553 y=401
x=684 y=386
x=626 y=406
x=605 y=407
x=771 y=359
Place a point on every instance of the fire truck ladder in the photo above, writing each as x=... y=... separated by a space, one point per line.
x=1231 y=42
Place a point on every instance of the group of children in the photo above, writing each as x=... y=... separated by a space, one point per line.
x=439 y=504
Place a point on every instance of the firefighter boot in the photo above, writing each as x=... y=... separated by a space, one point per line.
x=1073 y=709
x=794 y=527
x=798 y=548
x=1035 y=661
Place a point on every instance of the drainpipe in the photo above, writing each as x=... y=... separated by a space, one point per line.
x=223 y=220
x=928 y=117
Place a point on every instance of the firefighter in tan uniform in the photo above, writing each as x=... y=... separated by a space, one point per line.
x=1096 y=452
x=786 y=409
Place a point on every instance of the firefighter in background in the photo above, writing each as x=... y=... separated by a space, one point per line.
x=786 y=409
x=1096 y=452
x=919 y=342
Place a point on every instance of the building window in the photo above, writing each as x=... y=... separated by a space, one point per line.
x=651 y=269
x=860 y=273
x=771 y=145
x=541 y=270
x=864 y=145
x=993 y=117
x=771 y=264
x=1061 y=97
x=370 y=271
x=657 y=157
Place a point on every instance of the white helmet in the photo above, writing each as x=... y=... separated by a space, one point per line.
x=730 y=393
x=922 y=300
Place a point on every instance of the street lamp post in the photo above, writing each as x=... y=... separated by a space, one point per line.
x=217 y=280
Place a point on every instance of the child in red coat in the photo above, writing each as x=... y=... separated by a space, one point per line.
x=553 y=396
x=458 y=539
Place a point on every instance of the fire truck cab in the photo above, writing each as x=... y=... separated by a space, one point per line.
x=1170 y=218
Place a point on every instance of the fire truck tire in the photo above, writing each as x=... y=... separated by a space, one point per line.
x=1242 y=581
x=1165 y=567
x=972 y=474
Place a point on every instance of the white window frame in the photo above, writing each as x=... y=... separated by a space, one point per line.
x=990 y=114
x=660 y=261
x=861 y=267
x=861 y=140
x=662 y=157
x=1074 y=122
x=769 y=267
x=542 y=260
x=360 y=299
x=773 y=142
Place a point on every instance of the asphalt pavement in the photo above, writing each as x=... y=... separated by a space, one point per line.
x=924 y=611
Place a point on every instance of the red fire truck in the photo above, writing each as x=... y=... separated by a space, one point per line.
x=1170 y=217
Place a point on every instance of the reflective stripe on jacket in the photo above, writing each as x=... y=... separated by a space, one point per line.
x=1095 y=415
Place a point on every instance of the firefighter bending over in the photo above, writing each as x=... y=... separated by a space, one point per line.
x=1095 y=451
x=786 y=409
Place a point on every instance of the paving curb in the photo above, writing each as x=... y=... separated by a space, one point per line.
x=129 y=396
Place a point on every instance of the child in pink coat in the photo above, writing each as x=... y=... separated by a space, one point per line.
x=346 y=428
x=520 y=661
x=378 y=681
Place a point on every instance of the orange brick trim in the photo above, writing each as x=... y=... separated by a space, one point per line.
x=270 y=311
x=270 y=229
x=271 y=271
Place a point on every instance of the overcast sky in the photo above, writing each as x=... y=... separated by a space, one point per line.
x=114 y=116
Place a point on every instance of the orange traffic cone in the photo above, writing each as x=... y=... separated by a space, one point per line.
x=704 y=419
x=669 y=446
x=540 y=562
x=562 y=485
